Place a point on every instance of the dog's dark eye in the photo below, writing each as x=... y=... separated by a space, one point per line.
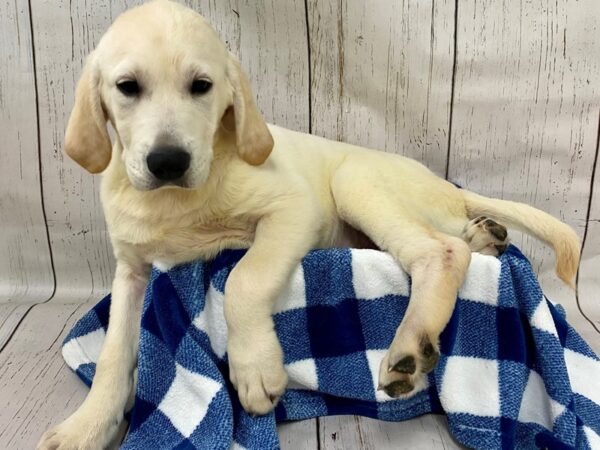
x=200 y=86
x=129 y=88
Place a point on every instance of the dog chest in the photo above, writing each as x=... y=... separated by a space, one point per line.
x=177 y=241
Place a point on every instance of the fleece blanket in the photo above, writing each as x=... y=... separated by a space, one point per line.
x=512 y=372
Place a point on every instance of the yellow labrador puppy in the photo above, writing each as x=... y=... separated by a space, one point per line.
x=194 y=169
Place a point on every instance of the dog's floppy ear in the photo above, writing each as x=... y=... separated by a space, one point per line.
x=86 y=138
x=253 y=139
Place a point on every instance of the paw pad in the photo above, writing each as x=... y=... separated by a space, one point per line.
x=429 y=356
x=402 y=377
x=406 y=365
x=497 y=230
x=398 y=388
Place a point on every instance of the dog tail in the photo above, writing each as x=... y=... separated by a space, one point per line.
x=534 y=222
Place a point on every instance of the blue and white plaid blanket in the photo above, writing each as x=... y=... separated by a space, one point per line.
x=512 y=374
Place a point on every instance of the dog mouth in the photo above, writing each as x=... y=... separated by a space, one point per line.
x=154 y=184
x=147 y=182
x=177 y=184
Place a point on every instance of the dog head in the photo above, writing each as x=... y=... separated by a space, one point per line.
x=167 y=83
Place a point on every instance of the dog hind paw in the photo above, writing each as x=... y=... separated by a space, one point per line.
x=486 y=236
x=402 y=373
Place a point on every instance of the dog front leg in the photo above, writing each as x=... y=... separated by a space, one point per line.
x=95 y=424
x=255 y=355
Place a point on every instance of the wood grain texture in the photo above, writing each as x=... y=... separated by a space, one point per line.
x=25 y=266
x=526 y=110
x=422 y=433
x=382 y=73
x=36 y=387
x=589 y=281
x=273 y=51
x=589 y=272
x=301 y=435
x=11 y=314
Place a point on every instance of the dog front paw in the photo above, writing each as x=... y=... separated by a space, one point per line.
x=257 y=372
x=79 y=432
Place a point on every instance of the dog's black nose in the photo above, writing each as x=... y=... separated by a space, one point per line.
x=168 y=163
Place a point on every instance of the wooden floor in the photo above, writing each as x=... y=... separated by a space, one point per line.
x=38 y=390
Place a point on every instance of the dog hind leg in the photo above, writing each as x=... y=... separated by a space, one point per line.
x=437 y=263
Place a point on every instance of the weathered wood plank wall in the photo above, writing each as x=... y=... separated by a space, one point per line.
x=382 y=75
x=589 y=272
x=501 y=97
x=25 y=269
x=525 y=116
x=26 y=274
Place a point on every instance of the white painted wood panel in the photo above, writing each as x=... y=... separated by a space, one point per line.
x=589 y=283
x=25 y=267
x=11 y=314
x=300 y=435
x=382 y=73
x=525 y=115
x=589 y=272
x=273 y=51
x=422 y=433
x=36 y=387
